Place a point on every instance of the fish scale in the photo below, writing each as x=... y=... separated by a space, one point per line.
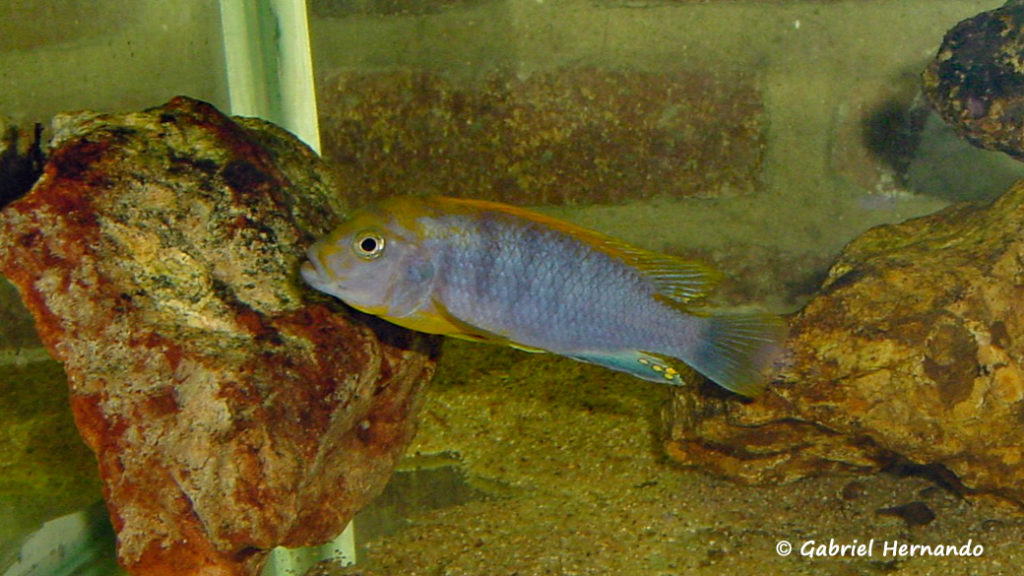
x=538 y=304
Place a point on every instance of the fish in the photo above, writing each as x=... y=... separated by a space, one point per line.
x=491 y=272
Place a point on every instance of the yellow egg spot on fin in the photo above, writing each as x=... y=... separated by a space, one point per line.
x=664 y=370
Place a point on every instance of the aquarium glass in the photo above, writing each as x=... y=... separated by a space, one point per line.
x=108 y=55
x=105 y=56
x=757 y=136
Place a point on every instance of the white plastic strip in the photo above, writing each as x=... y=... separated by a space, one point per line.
x=269 y=64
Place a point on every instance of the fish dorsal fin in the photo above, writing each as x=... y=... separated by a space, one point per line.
x=679 y=280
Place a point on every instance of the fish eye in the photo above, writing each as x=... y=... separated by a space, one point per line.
x=368 y=244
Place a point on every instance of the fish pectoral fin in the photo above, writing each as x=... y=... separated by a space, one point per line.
x=636 y=363
x=486 y=338
x=466 y=331
x=462 y=329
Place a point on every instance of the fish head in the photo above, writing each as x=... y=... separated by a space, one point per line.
x=373 y=262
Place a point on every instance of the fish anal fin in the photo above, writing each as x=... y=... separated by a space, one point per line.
x=636 y=363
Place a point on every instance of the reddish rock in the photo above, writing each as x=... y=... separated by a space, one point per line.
x=231 y=409
x=911 y=354
x=574 y=136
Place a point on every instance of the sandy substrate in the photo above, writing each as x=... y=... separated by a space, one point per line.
x=535 y=465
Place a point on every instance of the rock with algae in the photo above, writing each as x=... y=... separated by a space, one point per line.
x=911 y=354
x=976 y=81
x=228 y=414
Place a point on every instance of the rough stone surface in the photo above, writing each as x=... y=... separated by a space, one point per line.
x=910 y=355
x=576 y=136
x=231 y=410
x=976 y=81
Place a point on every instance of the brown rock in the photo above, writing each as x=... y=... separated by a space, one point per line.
x=915 y=513
x=577 y=136
x=976 y=82
x=229 y=415
x=911 y=353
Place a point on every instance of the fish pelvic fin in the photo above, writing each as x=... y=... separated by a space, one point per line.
x=734 y=349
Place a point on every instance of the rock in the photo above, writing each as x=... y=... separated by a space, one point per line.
x=915 y=513
x=231 y=410
x=910 y=355
x=576 y=136
x=976 y=82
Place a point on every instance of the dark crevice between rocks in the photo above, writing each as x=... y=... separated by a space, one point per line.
x=937 y=473
x=21 y=161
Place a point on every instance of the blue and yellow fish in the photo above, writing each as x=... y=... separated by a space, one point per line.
x=495 y=273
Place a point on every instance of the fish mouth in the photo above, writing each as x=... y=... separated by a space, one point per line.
x=309 y=273
x=312 y=271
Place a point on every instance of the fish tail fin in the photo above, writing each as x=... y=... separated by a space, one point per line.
x=734 y=349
